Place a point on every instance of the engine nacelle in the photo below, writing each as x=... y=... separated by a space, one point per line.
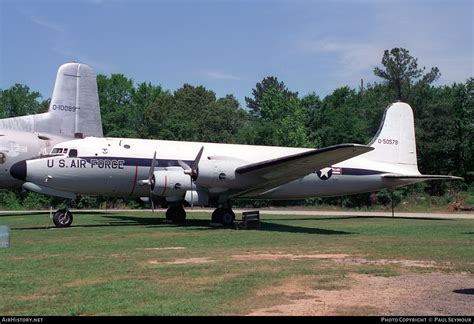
x=171 y=182
x=197 y=197
x=220 y=173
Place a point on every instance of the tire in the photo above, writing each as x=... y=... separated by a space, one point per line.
x=62 y=218
x=179 y=215
x=216 y=215
x=224 y=216
x=170 y=213
x=176 y=214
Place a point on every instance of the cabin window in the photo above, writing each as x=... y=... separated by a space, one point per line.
x=57 y=150
x=72 y=153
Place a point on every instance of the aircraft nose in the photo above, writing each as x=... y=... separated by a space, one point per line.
x=18 y=170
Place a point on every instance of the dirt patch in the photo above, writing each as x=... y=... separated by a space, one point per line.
x=165 y=248
x=409 y=294
x=182 y=261
x=36 y=295
x=403 y=263
x=288 y=256
x=340 y=258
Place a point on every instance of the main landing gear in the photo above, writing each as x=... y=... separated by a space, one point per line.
x=224 y=216
x=175 y=214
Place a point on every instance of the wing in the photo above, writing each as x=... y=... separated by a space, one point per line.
x=281 y=170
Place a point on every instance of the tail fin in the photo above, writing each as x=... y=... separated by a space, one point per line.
x=395 y=141
x=74 y=109
x=75 y=101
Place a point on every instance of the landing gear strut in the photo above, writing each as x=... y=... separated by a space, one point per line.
x=225 y=216
x=176 y=214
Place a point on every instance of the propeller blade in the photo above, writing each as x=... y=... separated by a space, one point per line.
x=147 y=182
x=196 y=161
x=192 y=194
x=152 y=204
x=187 y=169
x=152 y=168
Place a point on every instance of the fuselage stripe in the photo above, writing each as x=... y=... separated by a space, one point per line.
x=360 y=172
x=163 y=163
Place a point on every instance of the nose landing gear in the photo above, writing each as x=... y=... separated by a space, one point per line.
x=63 y=217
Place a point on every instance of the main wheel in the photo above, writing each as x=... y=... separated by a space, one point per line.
x=179 y=215
x=225 y=216
x=62 y=218
x=176 y=214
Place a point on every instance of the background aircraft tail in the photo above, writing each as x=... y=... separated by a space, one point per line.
x=74 y=110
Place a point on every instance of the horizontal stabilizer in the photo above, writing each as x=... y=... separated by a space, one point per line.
x=281 y=170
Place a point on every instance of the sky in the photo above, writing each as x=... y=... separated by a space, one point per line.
x=230 y=45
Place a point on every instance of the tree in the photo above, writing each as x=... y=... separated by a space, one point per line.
x=341 y=119
x=281 y=122
x=115 y=98
x=444 y=132
x=401 y=72
x=18 y=100
x=143 y=96
x=254 y=104
x=194 y=114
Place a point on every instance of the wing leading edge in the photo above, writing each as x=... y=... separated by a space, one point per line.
x=281 y=170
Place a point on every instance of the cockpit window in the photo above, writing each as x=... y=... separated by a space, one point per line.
x=72 y=153
x=57 y=150
x=65 y=150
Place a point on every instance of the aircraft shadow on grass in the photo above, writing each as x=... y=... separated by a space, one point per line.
x=33 y=213
x=326 y=218
x=467 y=291
x=191 y=224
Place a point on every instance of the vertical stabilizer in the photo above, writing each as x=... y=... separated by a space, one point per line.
x=74 y=109
x=75 y=101
x=395 y=141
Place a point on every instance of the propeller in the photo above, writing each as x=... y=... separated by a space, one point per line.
x=192 y=171
x=149 y=181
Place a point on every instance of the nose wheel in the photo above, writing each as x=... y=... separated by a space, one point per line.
x=62 y=218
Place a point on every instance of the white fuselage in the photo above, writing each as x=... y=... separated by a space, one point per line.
x=114 y=167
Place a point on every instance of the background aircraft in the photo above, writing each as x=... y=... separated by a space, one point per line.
x=73 y=113
x=215 y=174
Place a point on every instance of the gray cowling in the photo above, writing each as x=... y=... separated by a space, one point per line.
x=170 y=182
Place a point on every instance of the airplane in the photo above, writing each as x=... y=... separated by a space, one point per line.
x=212 y=174
x=73 y=113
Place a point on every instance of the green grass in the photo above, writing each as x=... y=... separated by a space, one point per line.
x=109 y=264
